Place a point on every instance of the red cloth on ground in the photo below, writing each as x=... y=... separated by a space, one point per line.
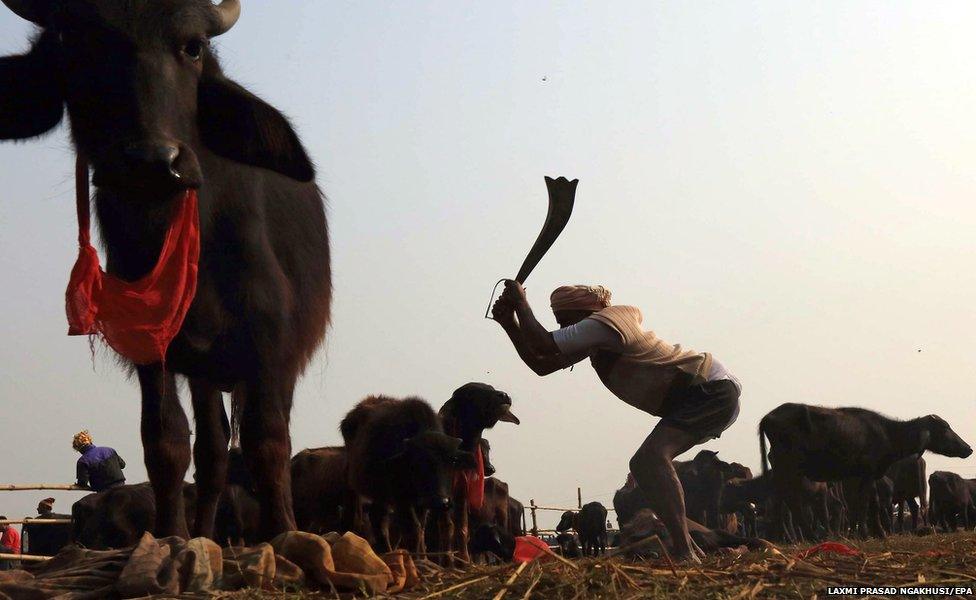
x=472 y=481
x=11 y=539
x=137 y=319
x=529 y=548
x=832 y=547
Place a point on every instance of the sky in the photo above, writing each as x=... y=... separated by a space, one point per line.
x=783 y=184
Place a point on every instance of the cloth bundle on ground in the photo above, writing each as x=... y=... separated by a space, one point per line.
x=171 y=566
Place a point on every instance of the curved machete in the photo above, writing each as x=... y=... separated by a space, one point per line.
x=562 y=196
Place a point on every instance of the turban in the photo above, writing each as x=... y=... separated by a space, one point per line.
x=46 y=505
x=580 y=297
x=81 y=439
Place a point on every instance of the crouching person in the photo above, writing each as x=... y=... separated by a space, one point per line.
x=696 y=397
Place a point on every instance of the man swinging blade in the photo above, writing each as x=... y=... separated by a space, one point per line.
x=696 y=397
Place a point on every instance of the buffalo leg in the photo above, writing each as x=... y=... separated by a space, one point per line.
x=913 y=508
x=461 y=529
x=166 y=447
x=419 y=524
x=823 y=514
x=379 y=520
x=209 y=453
x=267 y=449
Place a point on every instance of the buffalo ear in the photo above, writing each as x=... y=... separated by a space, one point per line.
x=31 y=98
x=238 y=125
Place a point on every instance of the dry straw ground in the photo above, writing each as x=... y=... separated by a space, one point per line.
x=902 y=560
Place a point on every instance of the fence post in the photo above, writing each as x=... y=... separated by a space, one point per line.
x=579 y=498
x=535 y=527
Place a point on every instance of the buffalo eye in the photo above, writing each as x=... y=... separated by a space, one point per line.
x=194 y=49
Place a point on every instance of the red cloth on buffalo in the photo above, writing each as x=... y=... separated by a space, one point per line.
x=138 y=319
x=472 y=481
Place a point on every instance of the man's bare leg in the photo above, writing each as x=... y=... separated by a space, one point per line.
x=655 y=475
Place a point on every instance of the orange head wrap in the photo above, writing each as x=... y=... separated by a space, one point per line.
x=580 y=297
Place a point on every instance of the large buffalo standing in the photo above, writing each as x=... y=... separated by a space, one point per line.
x=153 y=115
x=833 y=444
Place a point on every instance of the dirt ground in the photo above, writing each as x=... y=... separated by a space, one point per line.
x=937 y=561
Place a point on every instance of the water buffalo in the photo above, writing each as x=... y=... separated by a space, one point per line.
x=590 y=523
x=324 y=500
x=831 y=444
x=400 y=457
x=951 y=498
x=702 y=479
x=490 y=539
x=117 y=517
x=472 y=408
x=516 y=517
x=742 y=495
x=629 y=500
x=908 y=479
x=153 y=115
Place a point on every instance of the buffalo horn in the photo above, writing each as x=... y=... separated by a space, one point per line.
x=26 y=9
x=229 y=11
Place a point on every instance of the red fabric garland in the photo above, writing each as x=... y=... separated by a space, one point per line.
x=137 y=319
x=472 y=481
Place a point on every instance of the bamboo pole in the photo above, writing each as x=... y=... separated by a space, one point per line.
x=24 y=557
x=18 y=487
x=564 y=509
x=37 y=521
x=579 y=497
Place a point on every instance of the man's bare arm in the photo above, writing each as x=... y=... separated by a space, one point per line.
x=541 y=363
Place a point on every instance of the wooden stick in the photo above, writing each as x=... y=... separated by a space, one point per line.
x=25 y=557
x=38 y=521
x=561 y=559
x=511 y=580
x=537 y=507
x=19 y=487
x=535 y=582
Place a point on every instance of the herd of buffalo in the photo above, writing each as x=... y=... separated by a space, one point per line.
x=402 y=477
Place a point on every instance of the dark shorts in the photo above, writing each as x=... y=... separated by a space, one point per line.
x=705 y=409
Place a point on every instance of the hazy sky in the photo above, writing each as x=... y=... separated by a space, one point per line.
x=784 y=184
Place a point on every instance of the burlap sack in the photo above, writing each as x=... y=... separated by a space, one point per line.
x=248 y=567
x=200 y=565
x=288 y=575
x=350 y=564
x=405 y=574
x=355 y=561
x=150 y=570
